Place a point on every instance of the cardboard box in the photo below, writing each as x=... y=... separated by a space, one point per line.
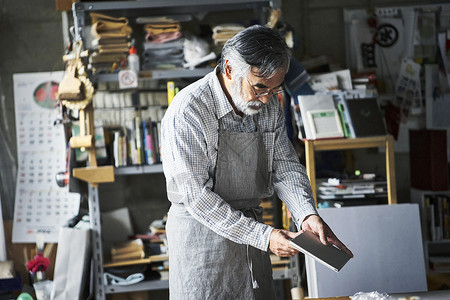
x=64 y=5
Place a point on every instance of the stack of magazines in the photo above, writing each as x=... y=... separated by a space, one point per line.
x=344 y=190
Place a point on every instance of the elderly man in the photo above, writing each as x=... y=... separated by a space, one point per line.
x=224 y=147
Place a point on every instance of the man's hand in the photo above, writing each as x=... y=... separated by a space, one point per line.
x=279 y=242
x=315 y=224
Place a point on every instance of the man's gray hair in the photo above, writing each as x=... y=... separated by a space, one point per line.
x=256 y=46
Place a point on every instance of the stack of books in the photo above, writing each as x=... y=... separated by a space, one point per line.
x=347 y=189
x=438 y=216
x=130 y=250
x=110 y=42
x=223 y=32
x=338 y=108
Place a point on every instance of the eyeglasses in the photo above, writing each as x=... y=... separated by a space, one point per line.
x=264 y=92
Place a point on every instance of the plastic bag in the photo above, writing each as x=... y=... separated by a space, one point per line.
x=371 y=296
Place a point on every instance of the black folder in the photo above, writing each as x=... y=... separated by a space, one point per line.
x=366 y=117
x=330 y=256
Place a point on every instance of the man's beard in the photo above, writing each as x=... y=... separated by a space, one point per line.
x=248 y=108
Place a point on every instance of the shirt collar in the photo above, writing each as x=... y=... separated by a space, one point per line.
x=222 y=104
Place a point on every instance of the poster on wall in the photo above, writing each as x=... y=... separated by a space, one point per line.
x=41 y=206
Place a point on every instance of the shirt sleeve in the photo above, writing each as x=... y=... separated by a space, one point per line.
x=186 y=164
x=291 y=182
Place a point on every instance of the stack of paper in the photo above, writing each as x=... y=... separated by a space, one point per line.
x=345 y=189
x=130 y=250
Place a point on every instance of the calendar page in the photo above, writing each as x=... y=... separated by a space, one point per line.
x=41 y=206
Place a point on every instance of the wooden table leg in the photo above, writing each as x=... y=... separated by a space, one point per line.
x=390 y=171
x=310 y=166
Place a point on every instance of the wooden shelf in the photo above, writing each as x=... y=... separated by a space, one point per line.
x=136 y=170
x=311 y=146
x=158 y=74
x=349 y=143
x=147 y=260
x=146 y=285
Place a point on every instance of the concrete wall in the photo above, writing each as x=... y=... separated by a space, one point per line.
x=31 y=40
x=319 y=24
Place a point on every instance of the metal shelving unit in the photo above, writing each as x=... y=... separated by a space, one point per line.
x=162 y=7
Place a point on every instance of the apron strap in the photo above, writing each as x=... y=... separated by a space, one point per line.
x=250 y=266
x=253 y=212
x=255 y=121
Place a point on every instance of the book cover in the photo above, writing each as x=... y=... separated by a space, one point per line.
x=170 y=91
x=314 y=102
x=148 y=142
x=341 y=105
x=366 y=117
x=116 y=149
x=325 y=124
x=330 y=256
x=123 y=152
x=130 y=135
x=144 y=143
x=139 y=140
x=156 y=131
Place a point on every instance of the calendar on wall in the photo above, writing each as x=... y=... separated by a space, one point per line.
x=41 y=206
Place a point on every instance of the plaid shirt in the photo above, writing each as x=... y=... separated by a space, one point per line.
x=189 y=139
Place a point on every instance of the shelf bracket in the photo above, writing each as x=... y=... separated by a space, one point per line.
x=97 y=249
x=95 y=175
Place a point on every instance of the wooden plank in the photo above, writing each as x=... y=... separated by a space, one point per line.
x=95 y=175
x=390 y=171
x=147 y=260
x=310 y=166
x=342 y=144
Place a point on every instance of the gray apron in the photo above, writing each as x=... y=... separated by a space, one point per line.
x=203 y=264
